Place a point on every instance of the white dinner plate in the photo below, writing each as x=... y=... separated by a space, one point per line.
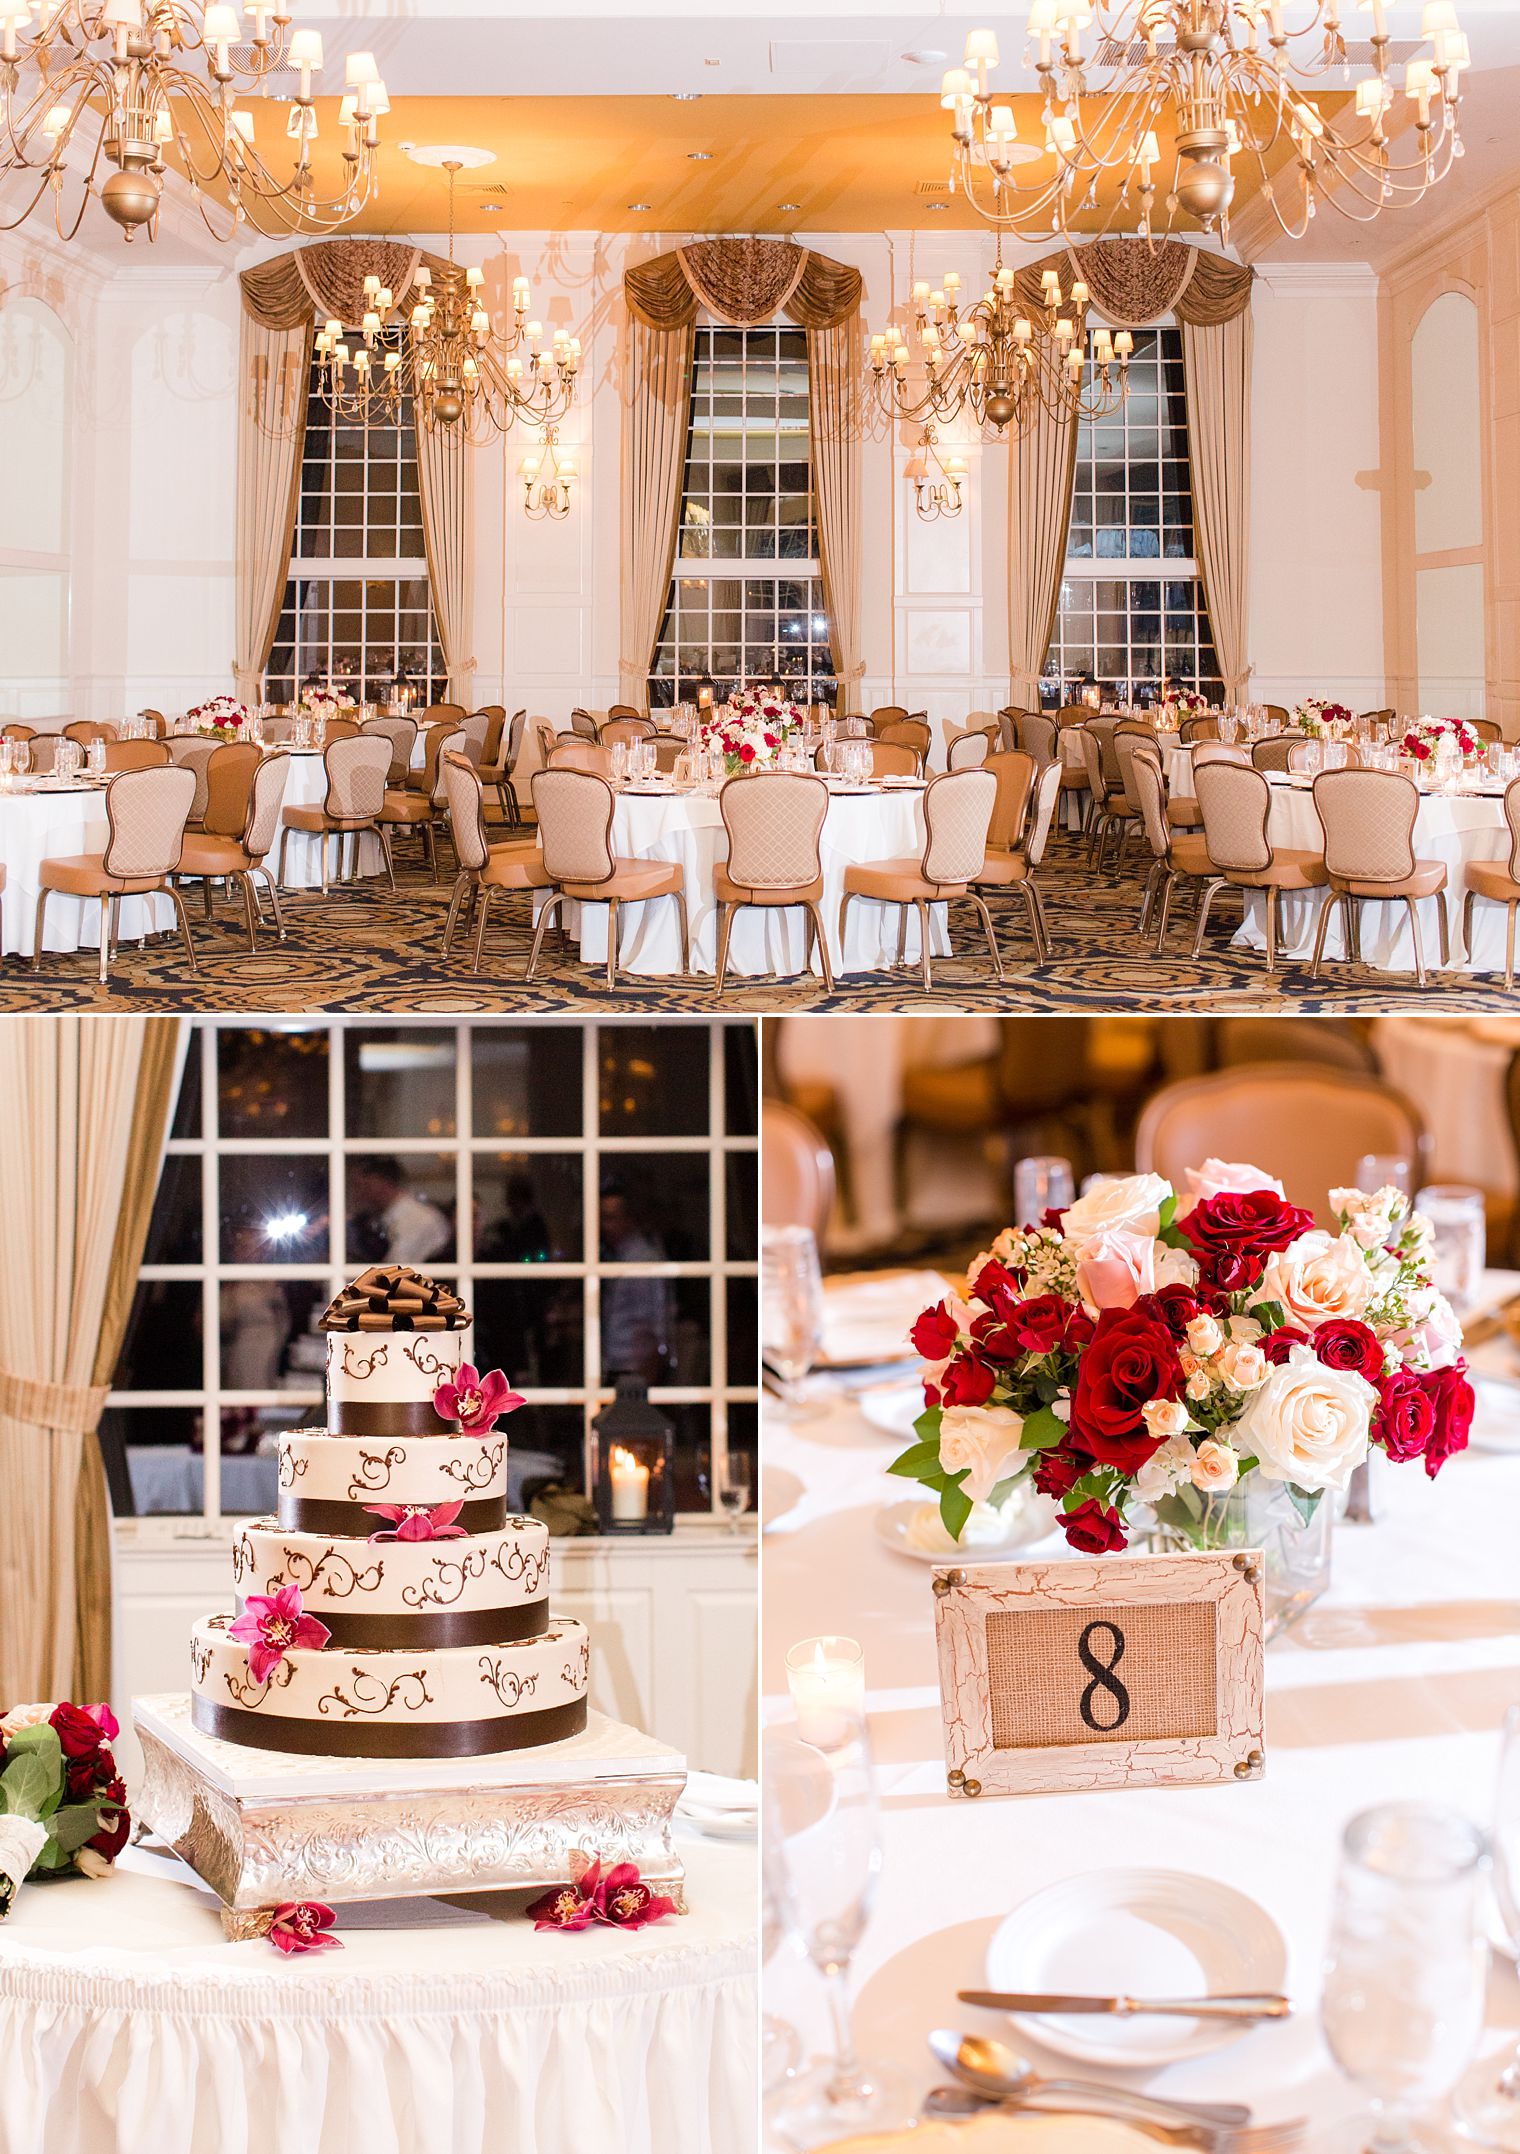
x=1027 y=2134
x=893 y=1408
x=1138 y=1933
x=779 y=1491
x=1032 y=1522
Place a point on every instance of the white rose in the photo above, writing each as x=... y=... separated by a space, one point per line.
x=1198 y=1384
x=89 y=1862
x=1215 y=1467
x=1174 y=1267
x=25 y=1716
x=1432 y=1338
x=985 y=1440
x=1308 y=1424
x=1229 y=1177
x=1130 y=1200
x=1204 y=1336
x=1165 y=1417
x=1244 y=1367
x=22 y=1840
x=1164 y=1469
x=1317 y=1277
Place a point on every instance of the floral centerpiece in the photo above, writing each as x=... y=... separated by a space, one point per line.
x=1425 y=739
x=1180 y=703
x=63 y=1804
x=326 y=702
x=752 y=727
x=1322 y=720
x=223 y=718
x=1141 y=1353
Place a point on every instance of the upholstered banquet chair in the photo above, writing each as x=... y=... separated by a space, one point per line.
x=1277 y=713
x=576 y=754
x=419 y=803
x=136 y=755
x=339 y=729
x=1178 y=855
x=617 y=729
x=1487 y=729
x=1304 y=1122
x=546 y=736
x=1272 y=754
x=668 y=751
x=797 y=1178
x=444 y=714
x=499 y=762
x=156 y=722
x=891 y=760
x=1236 y=805
x=627 y=710
x=1379 y=722
x=887 y=714
x=483 y=868
x=1201 y=728
x=1074 y=714
x=353 y=803
x=957 y=812
x=145 y=822
x=1016 y=839
x=1497 y=882
x=1368 y=819
x=84 y=730
x=238 y=855
x=1037 y=736
x=1108 y=811
x=969 y=751
x=575 y=815
x=583 y=723
x=908 y=733
x=402 y=736
x=187 y=751
x=1182 y=810
x=1010 y=717
x=774 y=823
x=230 y=771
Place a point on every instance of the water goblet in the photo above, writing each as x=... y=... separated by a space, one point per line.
x=1488 y=2102
x=791 y=1312
x=1384 y=1170
x=619 y=762
x=1460 y=1239
x=734 y=1483
x=1041 y=1184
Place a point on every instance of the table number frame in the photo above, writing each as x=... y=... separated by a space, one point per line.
x=1205 y=1727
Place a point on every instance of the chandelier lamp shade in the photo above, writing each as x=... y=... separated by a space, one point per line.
x=997 y=362
x=101 y=99
x=939 y=478
x=548 y=478
x=1170 y=99
x=446 y=356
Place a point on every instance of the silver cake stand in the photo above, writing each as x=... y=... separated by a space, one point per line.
x=263 y=1826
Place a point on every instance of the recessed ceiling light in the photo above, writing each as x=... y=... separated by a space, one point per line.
x=924 y=56
x=937 y=209
x=699 y=157
x=788 y=205
x=712 y=63
x=490 y=209
x=686 y=97
x=638 y=205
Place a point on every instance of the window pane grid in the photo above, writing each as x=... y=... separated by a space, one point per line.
x=747 y=596
x=1132 y=610
x=627 y=1291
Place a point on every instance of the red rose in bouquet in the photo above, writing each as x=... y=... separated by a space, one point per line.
x=1343 y=1343
x=969 y=1381
x=1044 y=1325
x=1096 y=1528
x=1451 y=1396
x=934 y=1334
x=78 y=1729
x=1406 y=1416
x=1278 y=1345
x=1131 y=1359
x=1233 y=1234
x=1056 y=1473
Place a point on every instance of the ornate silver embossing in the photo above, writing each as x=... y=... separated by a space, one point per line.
x=358 y=1363
x=375 y=1470
x=510 y=1687
x=474 y=1464
x=368 y=1694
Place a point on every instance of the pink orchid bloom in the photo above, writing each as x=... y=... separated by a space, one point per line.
x=271 y=1625
x=298 y=1926
x=415 y=1522
x=620 y=1900
x=626 y=1902
x=476 y=1402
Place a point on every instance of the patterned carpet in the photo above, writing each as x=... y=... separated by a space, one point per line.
x=362 y=949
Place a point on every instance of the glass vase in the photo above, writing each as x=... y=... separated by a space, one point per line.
x=1256 y=1513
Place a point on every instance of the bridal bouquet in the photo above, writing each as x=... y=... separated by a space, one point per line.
x=63 y=1804
x=1323 y=720
x=1424 y=740
x=1140 y=1350
x=223 y=718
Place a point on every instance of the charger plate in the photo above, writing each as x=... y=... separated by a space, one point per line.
x=1016 y=2134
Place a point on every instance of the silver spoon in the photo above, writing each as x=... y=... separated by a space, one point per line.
x=996 y=2073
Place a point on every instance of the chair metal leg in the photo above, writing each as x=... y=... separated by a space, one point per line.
x=1509 y=945
x=326 y=840
x=42 y=898
x=1351 y=910
x=680 y=898
x=823 y=948
x=923 y=941
x=105 y=935
x=274 y=898
x=844 y=908
x=612 y=933
x=1032 y=885
x=184 y=927
x=456 y=899
x=385 y=848
x=1445 y=920
x=246 y=883
x=1149 y=892
x=484 y=908
x=1419 y=944
x=551 y=906
x=981 y=906
x=1467 y=920
x=1271 y=929
x=726 y=913
x=206 y=896
x=1167 y=888
x=430 y=840
x=284 y=844
x=1211 y=890
x=1036 y=919
x=902 y=934
x=1332 y=899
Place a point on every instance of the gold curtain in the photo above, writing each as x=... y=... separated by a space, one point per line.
x=88 y=1101
x=834 y=367
x=1216 y=366
x=1042 y=466
x=274 y=370
x=742 y=281
x=657 y=374
x=444 y=465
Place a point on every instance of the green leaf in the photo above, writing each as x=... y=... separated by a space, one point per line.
x=43 y=1740
x=28 y=1787
x=1168 y=1211
x=1043 y=1430
x=926 y=1427
x=1302 y=1502
x=954 y=1509
x=919 y=1460
x=1270 y=1315
x=76 y=1822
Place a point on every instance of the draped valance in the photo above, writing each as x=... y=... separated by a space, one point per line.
x=1133 y=282
x=742 y=282
x=327 y=280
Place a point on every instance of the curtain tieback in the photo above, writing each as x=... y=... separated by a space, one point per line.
x=52 y=1406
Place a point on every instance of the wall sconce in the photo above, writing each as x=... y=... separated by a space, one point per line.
x=937 y=480
x=547 y=479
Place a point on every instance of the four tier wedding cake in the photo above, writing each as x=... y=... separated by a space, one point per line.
x=394 y=1608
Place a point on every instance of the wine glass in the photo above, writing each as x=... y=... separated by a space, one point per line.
x=734 y=1487
x=791 y=1311
x=1488 y=2102
x=830 y=1840
x=1040 y=1184
x=779 y=2046
x=1403 y=1999
x=1384 y=1170
x=1459 y=1247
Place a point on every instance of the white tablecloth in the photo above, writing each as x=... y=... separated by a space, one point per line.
x=47 y=826
x=1455 y=828
x=127 y=2026
x=883 y=825
x=1394 y=1686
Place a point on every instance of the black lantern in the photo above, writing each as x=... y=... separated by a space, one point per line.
x=633 y=1475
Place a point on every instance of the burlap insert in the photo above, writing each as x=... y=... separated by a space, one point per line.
x=52 y=1406
x=1167 y=1672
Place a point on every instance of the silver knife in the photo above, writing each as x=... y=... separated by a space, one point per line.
x=1249 y=2005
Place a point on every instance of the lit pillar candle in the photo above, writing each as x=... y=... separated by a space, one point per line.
x=630 y=1485
x=827 y=1680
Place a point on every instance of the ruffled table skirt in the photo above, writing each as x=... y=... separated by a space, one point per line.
x=127 y=2026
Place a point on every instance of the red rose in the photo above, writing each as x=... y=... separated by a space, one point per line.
x=1057 y=1472
x=1233 y=1234
x=1040 y=1326
x=1052 y=1216
x=935 y=1333
x=80 y=1734
x=112 y=1836
x=1132 y=1359
x=1278 y=1345
x=969 y=1381
x=747 y=753
x=1452 y=1397
x=1178 y=1305
x=84 y=1777
x=1343 y=1343
x=996 y=1285
x=1096 y=1528
x=1406 y=1417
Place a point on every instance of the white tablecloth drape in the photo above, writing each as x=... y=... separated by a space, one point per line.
x=1393 y=1687
x=1454 y=827
x=128 y=2027
x=48 y=826
x=882 y=825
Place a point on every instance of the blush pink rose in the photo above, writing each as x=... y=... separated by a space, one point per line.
x=1229 y=1177
x=1115 y=1268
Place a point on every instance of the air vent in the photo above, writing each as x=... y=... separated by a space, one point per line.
x=494 y=189
x=932 y=187
x=1108 y=52
x=280 y=82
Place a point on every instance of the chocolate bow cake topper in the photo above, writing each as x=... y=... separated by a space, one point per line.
x=393 y=1297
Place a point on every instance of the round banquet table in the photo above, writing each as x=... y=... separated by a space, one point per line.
x=1454 y=827
x=1393 y=1687
x=886 y=823
x=48 y=825
x=127 y=2026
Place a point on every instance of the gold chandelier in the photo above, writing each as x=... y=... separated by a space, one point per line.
x=1221 y=81
x=446 y=357
x=998 y=362
x=145 y=85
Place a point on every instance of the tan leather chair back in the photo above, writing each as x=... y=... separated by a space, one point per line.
x=136 y=755
x=1368 y=819
x=957 y=812
x=265 y=798
x=187 y=752
x=578 y=754
x=146 y=811
x=796 y=1171
x=1014 y=772
x=625 y=729
x=889 y=760
x=465 y=800
x=774 y=821
x=1235 y=805
x=229 y=781
x=575 y=812
x=356 y=769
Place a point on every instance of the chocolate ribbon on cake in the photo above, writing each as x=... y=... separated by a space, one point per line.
x=388 y=1739
x=351 y=1521
x=393 y=1297
x=449 y=1626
